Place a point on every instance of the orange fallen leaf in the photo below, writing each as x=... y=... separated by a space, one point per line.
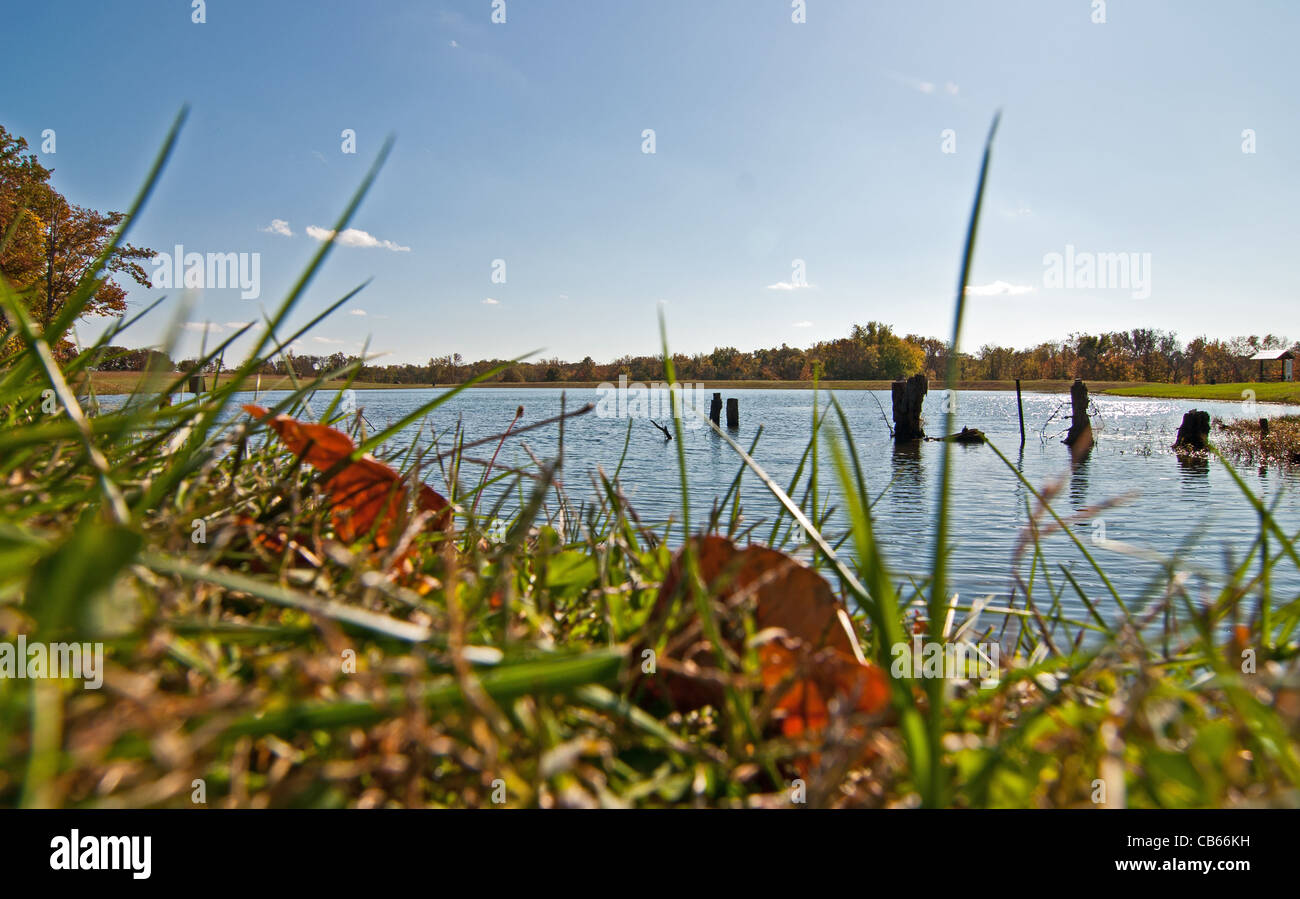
x=818 y=660
x=827 y=673
x=361 y=490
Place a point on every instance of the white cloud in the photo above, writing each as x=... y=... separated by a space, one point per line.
x=354 y=237
x=356 y=312
x=488 y=301
x=802 y=324
x=326 y=340
x=202 y=326
x=235 y=326
x=454 y=44
x=998 y=288
x=278 y=226
x=788 y=285
x=924 y=87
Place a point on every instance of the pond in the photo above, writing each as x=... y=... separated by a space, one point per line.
x=1164 y=503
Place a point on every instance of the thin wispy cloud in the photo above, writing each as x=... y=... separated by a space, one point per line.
x=788 y=285
x=278 y=226
x=921 y=86
x=327 y=340
x=356 y=312
x=201 y=327
x=802 y=325
x=998 y=289
x=235 y=326
x=354 y=237
x=488 y=301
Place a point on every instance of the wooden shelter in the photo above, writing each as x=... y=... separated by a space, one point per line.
x=1275 y=365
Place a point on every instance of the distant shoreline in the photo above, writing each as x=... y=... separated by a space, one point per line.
x=118 y=383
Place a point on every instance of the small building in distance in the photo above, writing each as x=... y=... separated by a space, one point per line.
x=1275 y=365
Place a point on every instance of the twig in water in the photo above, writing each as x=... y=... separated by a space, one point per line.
x=882 y=412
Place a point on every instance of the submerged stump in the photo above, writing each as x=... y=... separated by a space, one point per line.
x=1194 y=432
x=969 y=435
x=1079 y=438
x=909 y=397
x=733 y=412
x=715 y=409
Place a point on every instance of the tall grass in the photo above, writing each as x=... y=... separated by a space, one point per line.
x=490 y=665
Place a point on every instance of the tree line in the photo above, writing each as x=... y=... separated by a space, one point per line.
x=870 y=352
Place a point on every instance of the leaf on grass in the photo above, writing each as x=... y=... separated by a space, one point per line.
x=814 y=678
x=815 y=659
x=363 y=491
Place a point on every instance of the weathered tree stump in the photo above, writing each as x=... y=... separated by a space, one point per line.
x=909 y=397
x=733 y=412
x=1079 y=438
x=1194 y=432
x=715 y=409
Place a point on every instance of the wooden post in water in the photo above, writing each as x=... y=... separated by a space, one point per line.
x=733 y=412
x=909 y=397
x=196 y=384
x=1079 y=439
x=1020 y=407
x=715 y=409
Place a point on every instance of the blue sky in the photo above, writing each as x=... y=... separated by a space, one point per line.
x=774 y=141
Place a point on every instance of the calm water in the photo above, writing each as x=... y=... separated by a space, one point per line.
x=1174 y=500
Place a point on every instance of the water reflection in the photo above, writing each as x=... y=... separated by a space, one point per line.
x=1194 y=469
x=907 y=468
x=1079 y=479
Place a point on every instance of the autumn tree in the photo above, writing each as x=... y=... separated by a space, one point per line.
x=54 y=243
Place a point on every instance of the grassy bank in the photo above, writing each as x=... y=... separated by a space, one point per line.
x=288 y=622
x=1273 y=392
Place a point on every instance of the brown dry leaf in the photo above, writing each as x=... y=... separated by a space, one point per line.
x=818 y=659
x=826 y=673
x=362 y=490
